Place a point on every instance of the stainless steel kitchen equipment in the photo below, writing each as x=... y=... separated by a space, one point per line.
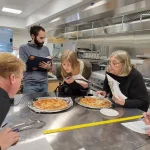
x=146 y=64
x=147 y=83
x=97 y=80
x=94 y=56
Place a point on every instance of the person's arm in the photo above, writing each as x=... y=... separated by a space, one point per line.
x=22 y=54
x=146 y=118
x=106 y=88
x=139 y=93
x=4 y=108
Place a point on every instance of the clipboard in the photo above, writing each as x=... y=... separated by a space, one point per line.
x=33 y=63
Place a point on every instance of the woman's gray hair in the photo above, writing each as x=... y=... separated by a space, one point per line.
x=124 y=58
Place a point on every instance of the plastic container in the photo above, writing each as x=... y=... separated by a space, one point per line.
x=6 y=40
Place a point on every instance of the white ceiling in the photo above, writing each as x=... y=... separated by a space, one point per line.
x=27 y=6
x=36 y=11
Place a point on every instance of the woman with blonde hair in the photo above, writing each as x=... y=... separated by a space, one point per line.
x=130 y=80
x=71 y=66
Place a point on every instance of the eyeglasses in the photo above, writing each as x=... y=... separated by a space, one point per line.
x=114 y=63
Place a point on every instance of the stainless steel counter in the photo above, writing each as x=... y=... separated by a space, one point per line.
x=106 y=137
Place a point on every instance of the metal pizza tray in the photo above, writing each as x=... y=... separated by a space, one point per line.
x=77 y=100
x=67 y=99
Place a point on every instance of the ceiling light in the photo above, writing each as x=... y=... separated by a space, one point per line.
x=95 y=4
x=10 y=10
x=56 y=19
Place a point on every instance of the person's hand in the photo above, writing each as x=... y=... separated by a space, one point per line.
x=45 y=65
x=8 y=138
x=146 y=118
x=52 y=65
x=103 y=93
x=119 y=100
x=49 y=57
x=148 y=132
x=69 y=80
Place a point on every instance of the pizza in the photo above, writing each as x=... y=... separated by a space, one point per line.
x=50 y=104
x=95 y=102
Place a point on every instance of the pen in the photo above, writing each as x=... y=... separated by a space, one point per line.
x=15 y=130
x=4 y=125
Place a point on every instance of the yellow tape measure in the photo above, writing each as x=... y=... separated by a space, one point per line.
x=91 y=124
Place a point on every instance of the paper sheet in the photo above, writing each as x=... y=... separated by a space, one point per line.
x=79 y=76
x=137 y=126
x=41 y=144
x=114 y=86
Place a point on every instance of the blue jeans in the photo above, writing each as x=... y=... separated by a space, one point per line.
x=34 y=87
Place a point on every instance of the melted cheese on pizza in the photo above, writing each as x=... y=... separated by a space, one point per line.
x=94 y=102
x=50 y=104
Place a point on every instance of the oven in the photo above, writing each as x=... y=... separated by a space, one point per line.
x=97 y=80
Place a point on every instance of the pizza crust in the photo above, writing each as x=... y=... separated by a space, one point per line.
x=95 y=102
x=50 y=104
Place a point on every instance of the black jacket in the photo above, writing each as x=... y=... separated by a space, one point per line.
x=5 y=103
x=133 y=87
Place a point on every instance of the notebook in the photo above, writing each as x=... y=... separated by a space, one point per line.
x=137 y=126
x=80 y=79
x=33 y=63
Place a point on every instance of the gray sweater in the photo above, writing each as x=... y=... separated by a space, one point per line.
x=30 y=49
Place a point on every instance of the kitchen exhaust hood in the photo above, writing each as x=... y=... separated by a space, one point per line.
x=107 y=9
x=130 y=16
x=129 y=23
